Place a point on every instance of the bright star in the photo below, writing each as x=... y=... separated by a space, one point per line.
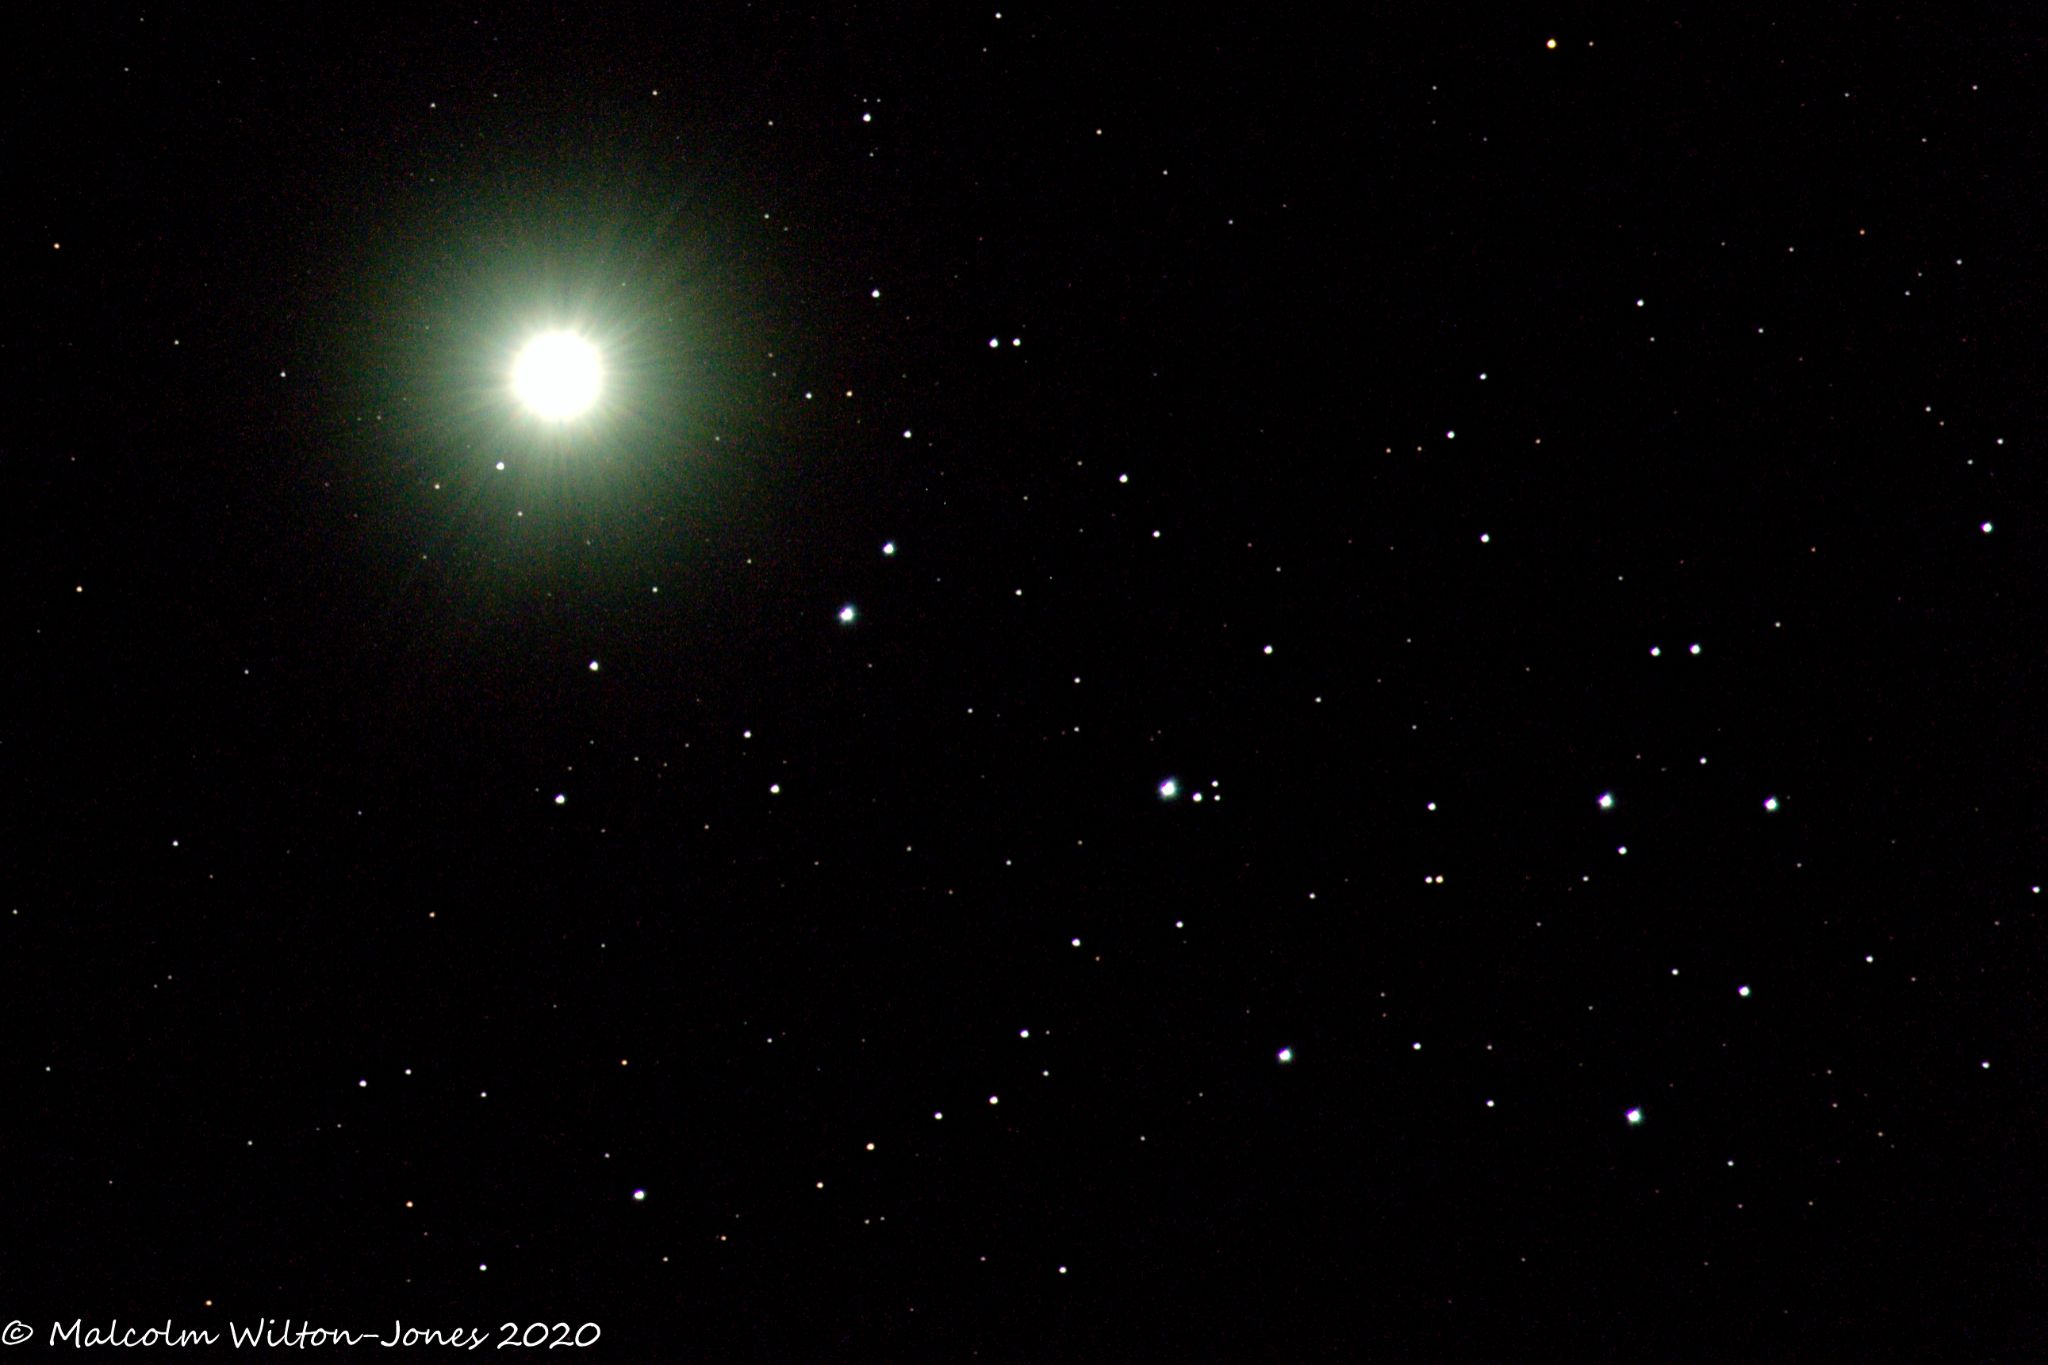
x=557 y=376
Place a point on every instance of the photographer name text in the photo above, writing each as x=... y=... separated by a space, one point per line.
x=292 y=1334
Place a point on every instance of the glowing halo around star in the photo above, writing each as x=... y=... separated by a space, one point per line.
x=557 y=376
x=555 y=371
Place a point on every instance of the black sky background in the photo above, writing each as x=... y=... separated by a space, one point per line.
x=289 y=720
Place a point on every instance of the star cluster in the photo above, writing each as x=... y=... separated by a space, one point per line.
x=843 y=686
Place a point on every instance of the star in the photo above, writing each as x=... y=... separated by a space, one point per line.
x=558 y=375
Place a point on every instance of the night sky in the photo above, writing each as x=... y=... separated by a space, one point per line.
x=1204 y=687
